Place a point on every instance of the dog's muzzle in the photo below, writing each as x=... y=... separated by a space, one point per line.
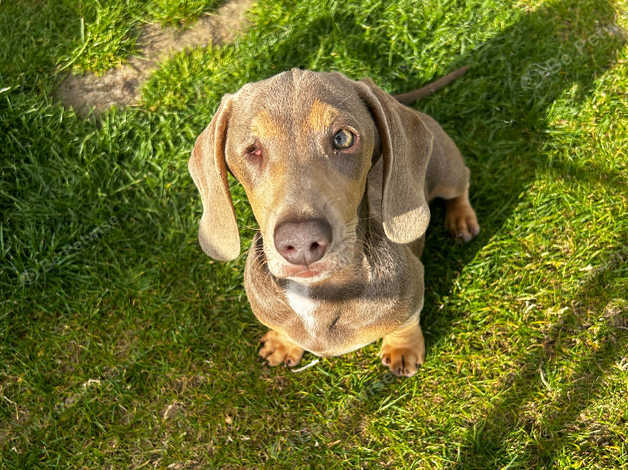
x=303 y=242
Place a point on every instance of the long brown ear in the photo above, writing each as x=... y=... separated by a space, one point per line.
x=218 y=231
x=406 y=146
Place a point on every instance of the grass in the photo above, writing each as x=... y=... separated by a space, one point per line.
x=122 y=346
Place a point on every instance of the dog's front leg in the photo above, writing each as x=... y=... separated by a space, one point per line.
x=403 y=350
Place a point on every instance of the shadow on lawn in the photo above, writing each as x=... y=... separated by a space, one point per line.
x=579 y=63
x=504 y=150
x=549 y=428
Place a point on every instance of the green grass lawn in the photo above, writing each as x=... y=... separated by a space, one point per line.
x=123 y=346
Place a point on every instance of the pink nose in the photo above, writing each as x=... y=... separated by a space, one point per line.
x=303 y=242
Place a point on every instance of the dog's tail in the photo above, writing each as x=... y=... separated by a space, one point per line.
x=427 y=90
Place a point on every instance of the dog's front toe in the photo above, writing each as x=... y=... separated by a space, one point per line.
x=402 y=362
x=277 y=349
x=464 y=228
x=403 y=351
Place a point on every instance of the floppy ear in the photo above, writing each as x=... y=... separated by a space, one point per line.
x=218 y=231
x=406 y=146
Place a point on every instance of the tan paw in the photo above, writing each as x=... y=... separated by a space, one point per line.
x=403 y=351
x=403 y=362
x=276 y=349
x=461 y=220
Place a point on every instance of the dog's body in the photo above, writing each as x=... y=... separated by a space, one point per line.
x=339 y=175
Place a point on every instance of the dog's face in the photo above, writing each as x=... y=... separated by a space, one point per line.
x=301 y=144
x=302 y=151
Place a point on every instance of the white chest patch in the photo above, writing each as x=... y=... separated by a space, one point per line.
x=303 y=305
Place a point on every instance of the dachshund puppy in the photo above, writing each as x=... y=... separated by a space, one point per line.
x=339 y=175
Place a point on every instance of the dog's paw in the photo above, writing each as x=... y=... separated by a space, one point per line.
x=461 y=221
x=403 y=362
x=276 y=349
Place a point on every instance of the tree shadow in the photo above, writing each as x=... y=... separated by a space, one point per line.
x=486 y=442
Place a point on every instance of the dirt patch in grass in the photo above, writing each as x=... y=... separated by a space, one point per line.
x=121 y=86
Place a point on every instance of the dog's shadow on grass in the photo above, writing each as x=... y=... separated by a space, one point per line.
x=525 y=69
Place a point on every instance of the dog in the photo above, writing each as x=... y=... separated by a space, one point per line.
x=339 y=175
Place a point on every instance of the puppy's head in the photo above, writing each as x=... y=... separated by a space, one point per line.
x=302 y=144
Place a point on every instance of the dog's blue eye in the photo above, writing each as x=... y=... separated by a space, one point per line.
x=343 y=139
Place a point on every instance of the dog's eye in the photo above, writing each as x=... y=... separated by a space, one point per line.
x=343 y=139
x=253 y=151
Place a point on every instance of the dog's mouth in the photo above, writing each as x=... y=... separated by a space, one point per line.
x=305 y=273
x=313 y=273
